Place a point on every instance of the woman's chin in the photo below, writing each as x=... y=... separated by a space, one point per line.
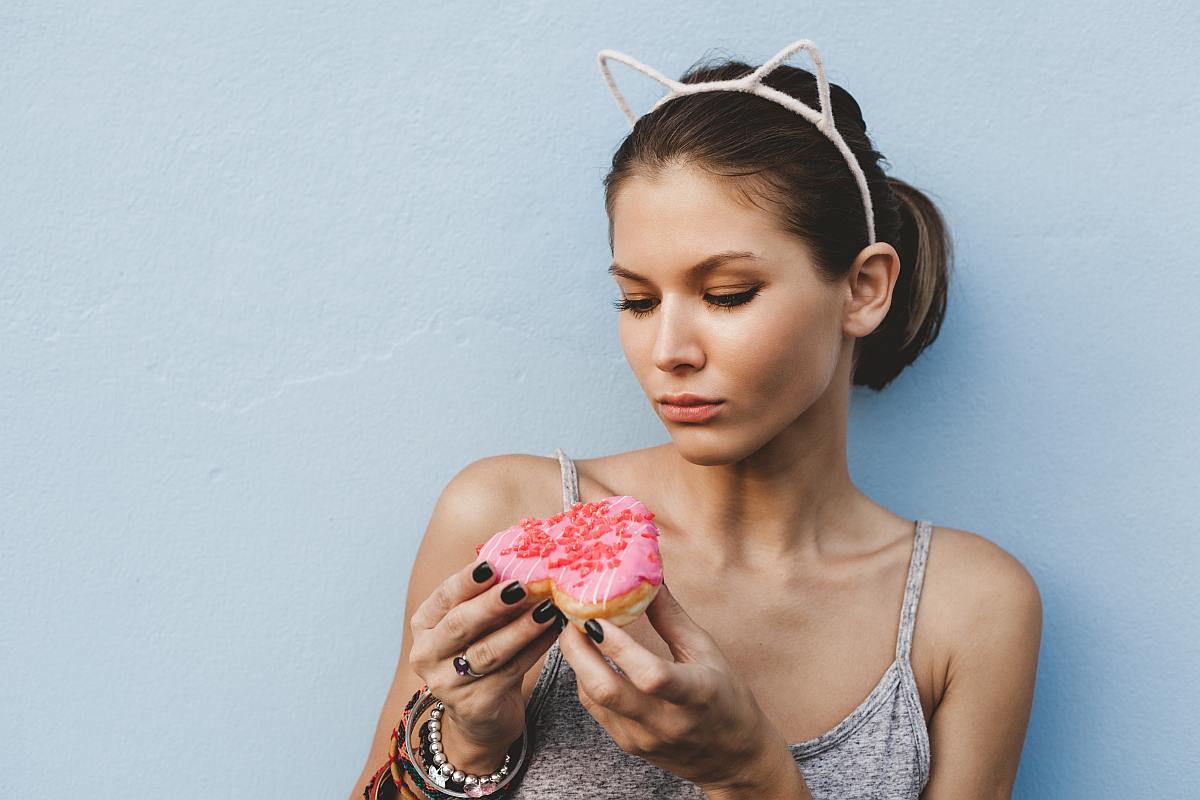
x=707 y=448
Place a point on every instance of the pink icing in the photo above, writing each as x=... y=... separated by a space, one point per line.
x=593 y=552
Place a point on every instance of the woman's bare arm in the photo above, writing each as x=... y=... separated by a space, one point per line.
x=978 y=729
x=476 y=503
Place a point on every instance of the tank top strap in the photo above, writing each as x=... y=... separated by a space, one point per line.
x=570 y=479
x=912 y=589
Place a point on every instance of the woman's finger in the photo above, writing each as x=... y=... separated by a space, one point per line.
x=598 y=680
x=471 y=620
x=472 y=580
x=647 y=671
x=519 y=664
x=494 y=651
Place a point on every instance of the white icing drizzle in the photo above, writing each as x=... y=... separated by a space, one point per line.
x=492 y=546
x=608 y=589
x=533 y=563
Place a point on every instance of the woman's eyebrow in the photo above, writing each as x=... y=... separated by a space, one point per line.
x=704 y=267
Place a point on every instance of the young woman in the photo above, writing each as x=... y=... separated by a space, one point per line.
x=784 y=657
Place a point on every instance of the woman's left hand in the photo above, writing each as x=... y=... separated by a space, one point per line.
x=694 y=716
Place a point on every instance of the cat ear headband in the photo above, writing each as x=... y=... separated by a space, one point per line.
x=752 y=84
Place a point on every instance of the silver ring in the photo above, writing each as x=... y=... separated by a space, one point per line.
x=463 y=667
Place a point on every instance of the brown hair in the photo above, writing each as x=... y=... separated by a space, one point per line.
x=777 y=160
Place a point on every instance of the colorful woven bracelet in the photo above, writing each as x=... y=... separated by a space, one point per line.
x=375 y=784
x=399 y=760
x=398 y=763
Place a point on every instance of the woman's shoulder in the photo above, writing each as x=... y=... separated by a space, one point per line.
x=483 y=497
x=534 y=482
x=972 y=586
x=976 y=601
x=524 y=484
x=975 y=568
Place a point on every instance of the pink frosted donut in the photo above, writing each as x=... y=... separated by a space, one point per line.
x=598 y=559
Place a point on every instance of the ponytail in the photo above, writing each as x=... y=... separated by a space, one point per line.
x=919 y=297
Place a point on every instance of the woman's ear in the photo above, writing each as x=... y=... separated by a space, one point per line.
x=869 y=287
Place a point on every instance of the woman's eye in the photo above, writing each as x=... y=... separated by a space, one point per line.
x=640 y=308
x=632 y=306
x=728 y=301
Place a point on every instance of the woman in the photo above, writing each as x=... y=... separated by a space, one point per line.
x=786 y=658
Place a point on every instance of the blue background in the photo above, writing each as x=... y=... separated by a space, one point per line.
x=269 y=276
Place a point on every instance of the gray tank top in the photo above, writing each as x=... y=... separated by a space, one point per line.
x=880 y=751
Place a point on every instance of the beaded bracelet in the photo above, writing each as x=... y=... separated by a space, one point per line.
x=448 y=777
x=450 y=783
x=400 y=760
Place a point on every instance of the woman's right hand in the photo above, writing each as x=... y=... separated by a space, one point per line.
x=471 y=612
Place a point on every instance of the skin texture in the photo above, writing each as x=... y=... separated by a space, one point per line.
x=785 y=580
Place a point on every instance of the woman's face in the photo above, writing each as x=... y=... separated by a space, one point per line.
x=763 y=335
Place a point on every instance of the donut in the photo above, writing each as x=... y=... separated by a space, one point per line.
x=597 y=559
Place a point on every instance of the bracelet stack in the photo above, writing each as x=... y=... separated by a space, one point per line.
x=436 y=777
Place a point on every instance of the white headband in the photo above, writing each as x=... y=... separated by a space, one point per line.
x=752 y=84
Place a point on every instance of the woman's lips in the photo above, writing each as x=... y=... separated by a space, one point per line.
x=697 y=413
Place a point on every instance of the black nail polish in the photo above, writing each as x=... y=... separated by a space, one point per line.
x=562 y=622
x=544 y=611
x=594 y=630
x=512 y=593
x=482 y=572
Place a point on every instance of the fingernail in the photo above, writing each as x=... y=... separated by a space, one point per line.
x=512 y=593
x=544 y=611
x=594 y=630
x=482 y=572
x=562 y=622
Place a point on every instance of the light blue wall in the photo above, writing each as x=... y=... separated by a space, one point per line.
x=270 y=276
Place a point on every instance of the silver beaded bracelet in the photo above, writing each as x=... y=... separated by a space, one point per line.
x=443 y=773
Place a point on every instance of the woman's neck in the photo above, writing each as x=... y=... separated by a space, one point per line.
x=792 y=498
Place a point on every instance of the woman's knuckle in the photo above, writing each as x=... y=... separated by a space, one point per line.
x=672 y=733
x=606 y=694
x=657 y=679
x=512 y=669
x=483 y=655
x=455 y=625
x=448 y=598
x=640 y=745
x=587 y=701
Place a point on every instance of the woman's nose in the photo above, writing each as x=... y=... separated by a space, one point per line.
x=677 y=340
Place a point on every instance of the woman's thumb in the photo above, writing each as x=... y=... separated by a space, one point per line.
x=686 y=639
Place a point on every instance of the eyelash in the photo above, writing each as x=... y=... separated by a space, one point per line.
x=741 y=298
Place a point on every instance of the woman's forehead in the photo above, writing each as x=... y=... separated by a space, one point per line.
x=653 y=236
x=692 y=214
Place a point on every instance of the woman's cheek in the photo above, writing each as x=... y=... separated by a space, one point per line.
x=788 y=362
